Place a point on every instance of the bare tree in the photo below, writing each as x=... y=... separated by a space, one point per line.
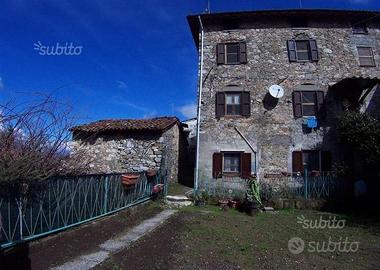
x=35 y=141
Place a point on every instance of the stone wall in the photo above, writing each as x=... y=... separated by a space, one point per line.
x=132 y=152
x=272 y=130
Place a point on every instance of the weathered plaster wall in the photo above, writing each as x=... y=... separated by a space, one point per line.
x=273 y=131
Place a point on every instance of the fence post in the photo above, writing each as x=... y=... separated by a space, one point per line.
x=306 y=184
x=105 y=194
x=21 y=218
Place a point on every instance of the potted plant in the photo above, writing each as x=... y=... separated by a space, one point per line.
x=252 y=202
x=201 y=198
x=129 y=180
x=234 y=203
x=223 y=202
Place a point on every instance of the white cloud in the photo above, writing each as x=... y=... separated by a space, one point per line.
x=121 y=84
x=188 y=110
x=1 y=84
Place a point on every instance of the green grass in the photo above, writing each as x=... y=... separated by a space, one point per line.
x=253 y=242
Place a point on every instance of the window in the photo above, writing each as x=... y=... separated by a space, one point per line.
x=232 y=53
x=366 y=58
x=233 y=103
x=307 y=103
x=314 y=160
x=231 y=163
x=359 y=28
x=302 y=50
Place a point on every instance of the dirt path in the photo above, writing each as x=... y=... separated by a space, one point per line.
x=52 y=251
x=121 y=242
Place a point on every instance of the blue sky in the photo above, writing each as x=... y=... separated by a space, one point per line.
x=137 y=58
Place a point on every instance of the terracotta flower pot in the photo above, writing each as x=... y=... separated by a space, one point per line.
x=234 y=204
x=129 y=179
x=158 y=188
x=223 y=203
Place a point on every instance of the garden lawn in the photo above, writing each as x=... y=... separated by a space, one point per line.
x=208 y=238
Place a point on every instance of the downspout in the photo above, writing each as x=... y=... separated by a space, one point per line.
x=199 y=105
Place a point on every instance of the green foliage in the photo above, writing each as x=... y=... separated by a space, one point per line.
x=361 y=134
x=201 y=195
x=253 y=194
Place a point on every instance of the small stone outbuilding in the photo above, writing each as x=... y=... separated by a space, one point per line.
x=133 y=145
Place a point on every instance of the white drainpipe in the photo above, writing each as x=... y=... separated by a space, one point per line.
x=199 y=106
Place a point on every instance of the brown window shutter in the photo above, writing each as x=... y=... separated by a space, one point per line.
x=326 y=161
x=297 y=161
x=291 y=44
x=245 y=104
x=319 y=103
x=217 y=165
x=246 y=165
x=314 y=50
x=220 y=104
x=243 y=53
x=297 y=105
x=220 y=54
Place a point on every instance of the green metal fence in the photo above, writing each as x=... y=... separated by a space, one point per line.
x=307 y=186
x=59 y=203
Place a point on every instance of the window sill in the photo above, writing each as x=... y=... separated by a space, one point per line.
x=232 y=64
x=232 y=116
x=300 y=28
x=231 y=174
x=304 y=61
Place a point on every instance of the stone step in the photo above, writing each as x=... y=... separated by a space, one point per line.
x=179 y=204
x=177 y=198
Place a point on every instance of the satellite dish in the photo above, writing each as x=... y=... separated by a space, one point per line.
x=276 y=91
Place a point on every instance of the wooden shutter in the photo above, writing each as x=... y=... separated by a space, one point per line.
x=297 y=104
x=217 y=165
x=325 y=161
x=246 y=165
x=292 y=54
x=319 y=103
x=220 y=54
x=297 y=161
x=220 y=104
x=314 y=50
x=243 y=53
x=245 y=104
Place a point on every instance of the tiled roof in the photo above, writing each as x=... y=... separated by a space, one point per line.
x=158 y=124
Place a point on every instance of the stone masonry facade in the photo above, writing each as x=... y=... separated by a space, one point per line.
x=272 y=131
x=125 y=151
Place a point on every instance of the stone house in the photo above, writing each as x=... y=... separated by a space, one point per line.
x=320 y=58
x=133 y=145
